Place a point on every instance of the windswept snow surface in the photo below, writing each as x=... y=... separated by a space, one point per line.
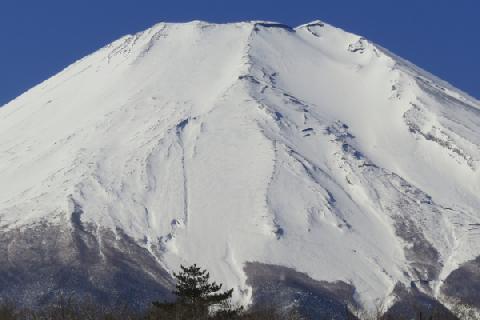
x=310 y=148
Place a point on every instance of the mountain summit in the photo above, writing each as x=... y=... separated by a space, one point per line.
x=253 y=149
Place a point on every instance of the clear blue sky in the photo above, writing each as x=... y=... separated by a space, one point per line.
x=41 y=37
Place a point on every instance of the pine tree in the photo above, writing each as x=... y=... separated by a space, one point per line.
x=197 y=297
x=193 y=287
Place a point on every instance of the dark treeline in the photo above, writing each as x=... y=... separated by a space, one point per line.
x=86 y=309
x=196 y=298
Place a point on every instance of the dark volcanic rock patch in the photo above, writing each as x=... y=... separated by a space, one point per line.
x=423 y=257
x=275 y=285
x=463 y=284
x=43 y=261
x=413 y=304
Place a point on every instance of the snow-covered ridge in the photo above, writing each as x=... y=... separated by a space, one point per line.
x=306 y=147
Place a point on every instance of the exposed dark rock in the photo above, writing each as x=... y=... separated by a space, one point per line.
x=413 y=304
x=316 y=24
x=273 y=25
x=41 y=262
x=423 y=257
x=286 y=288
x=463 y=284
x=181 y=125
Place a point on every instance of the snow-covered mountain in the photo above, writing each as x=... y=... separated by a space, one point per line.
x=235 y=145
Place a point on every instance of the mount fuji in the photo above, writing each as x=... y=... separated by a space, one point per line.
x=304 y=160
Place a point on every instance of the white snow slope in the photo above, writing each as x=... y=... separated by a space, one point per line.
x=310 y=148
